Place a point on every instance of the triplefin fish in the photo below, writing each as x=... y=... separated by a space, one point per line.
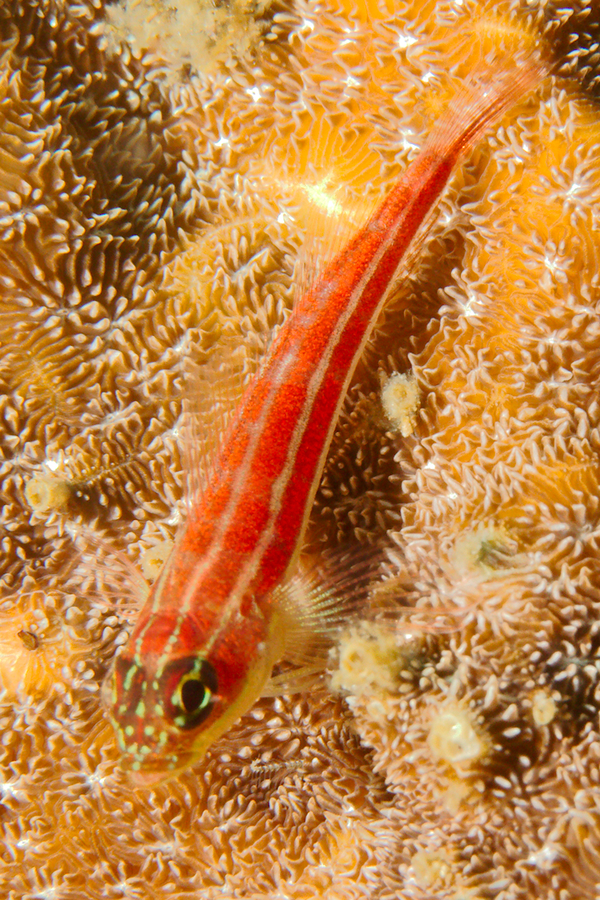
x=213 y=626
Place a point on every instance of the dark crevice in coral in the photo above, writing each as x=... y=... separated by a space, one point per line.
x=573 y=31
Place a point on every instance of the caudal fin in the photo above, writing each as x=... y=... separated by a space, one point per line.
x=490 y=92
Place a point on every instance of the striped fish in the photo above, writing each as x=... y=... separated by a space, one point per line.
x=215 y=623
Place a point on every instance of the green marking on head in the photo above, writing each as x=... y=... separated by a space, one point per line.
x=131 y=673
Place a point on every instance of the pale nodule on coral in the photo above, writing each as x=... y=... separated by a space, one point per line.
x=543 y=708
x=454 y=739
x=400 y=400
x=45 y=492
x=149 y=205
x=153 y=559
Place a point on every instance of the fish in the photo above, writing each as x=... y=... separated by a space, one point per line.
x=217 y=621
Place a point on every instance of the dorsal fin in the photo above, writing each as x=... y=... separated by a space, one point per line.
x=328 y=187
x=105 y=575
x=213 y=384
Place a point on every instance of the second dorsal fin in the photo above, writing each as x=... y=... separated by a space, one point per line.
x=213 y=383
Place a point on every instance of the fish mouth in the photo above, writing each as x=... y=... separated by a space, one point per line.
x=149 y=778
x=152 y=772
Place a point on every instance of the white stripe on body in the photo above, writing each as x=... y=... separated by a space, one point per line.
x=253 y=563
x=252 y=566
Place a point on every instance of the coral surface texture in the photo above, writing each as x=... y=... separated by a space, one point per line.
x=171 y=174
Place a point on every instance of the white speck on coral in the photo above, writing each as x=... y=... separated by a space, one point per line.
x=405 y=139
x=406 y=40
x=554 y=263
x=284 y=218
x=174 y=518
x=544 y=858
x=352 y=33
x=468 y=302
x=12 y=789
x=49 y=893
x=181 y=347
x=254 y=93
x=51 y=464
x=551 y=264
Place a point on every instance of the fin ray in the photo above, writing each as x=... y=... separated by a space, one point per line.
x=213 y=386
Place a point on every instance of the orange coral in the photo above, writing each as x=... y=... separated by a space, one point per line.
x=140 y=218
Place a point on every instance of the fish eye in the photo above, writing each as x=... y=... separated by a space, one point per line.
x=194 y=695
x=193 y=684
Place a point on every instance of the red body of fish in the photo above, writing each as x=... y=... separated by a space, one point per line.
x=208 y=636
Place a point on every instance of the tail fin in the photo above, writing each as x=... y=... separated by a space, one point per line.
x=484 y=99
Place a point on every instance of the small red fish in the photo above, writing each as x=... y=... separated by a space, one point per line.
x=214 y=625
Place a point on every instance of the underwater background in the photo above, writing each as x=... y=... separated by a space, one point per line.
x=160 y=169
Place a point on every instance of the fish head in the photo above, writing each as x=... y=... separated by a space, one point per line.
x=168 y=708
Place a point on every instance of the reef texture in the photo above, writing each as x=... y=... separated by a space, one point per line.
x=154 y=209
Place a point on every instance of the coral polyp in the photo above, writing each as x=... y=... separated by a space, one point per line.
x=155 y=208
x=41 y=651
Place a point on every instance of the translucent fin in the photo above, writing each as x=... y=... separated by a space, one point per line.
x=296 y=680
x=328 y=226
x=393 y=606
x=410 y=620
x=213 y=386
x=320 y=599
x=331 y=199
x=327 y=192
x=340 y=590
x=490 y=92
x=105 y=576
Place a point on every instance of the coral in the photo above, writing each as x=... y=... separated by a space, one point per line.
x=400 y=400
x=192 y=35
x=151 y=215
